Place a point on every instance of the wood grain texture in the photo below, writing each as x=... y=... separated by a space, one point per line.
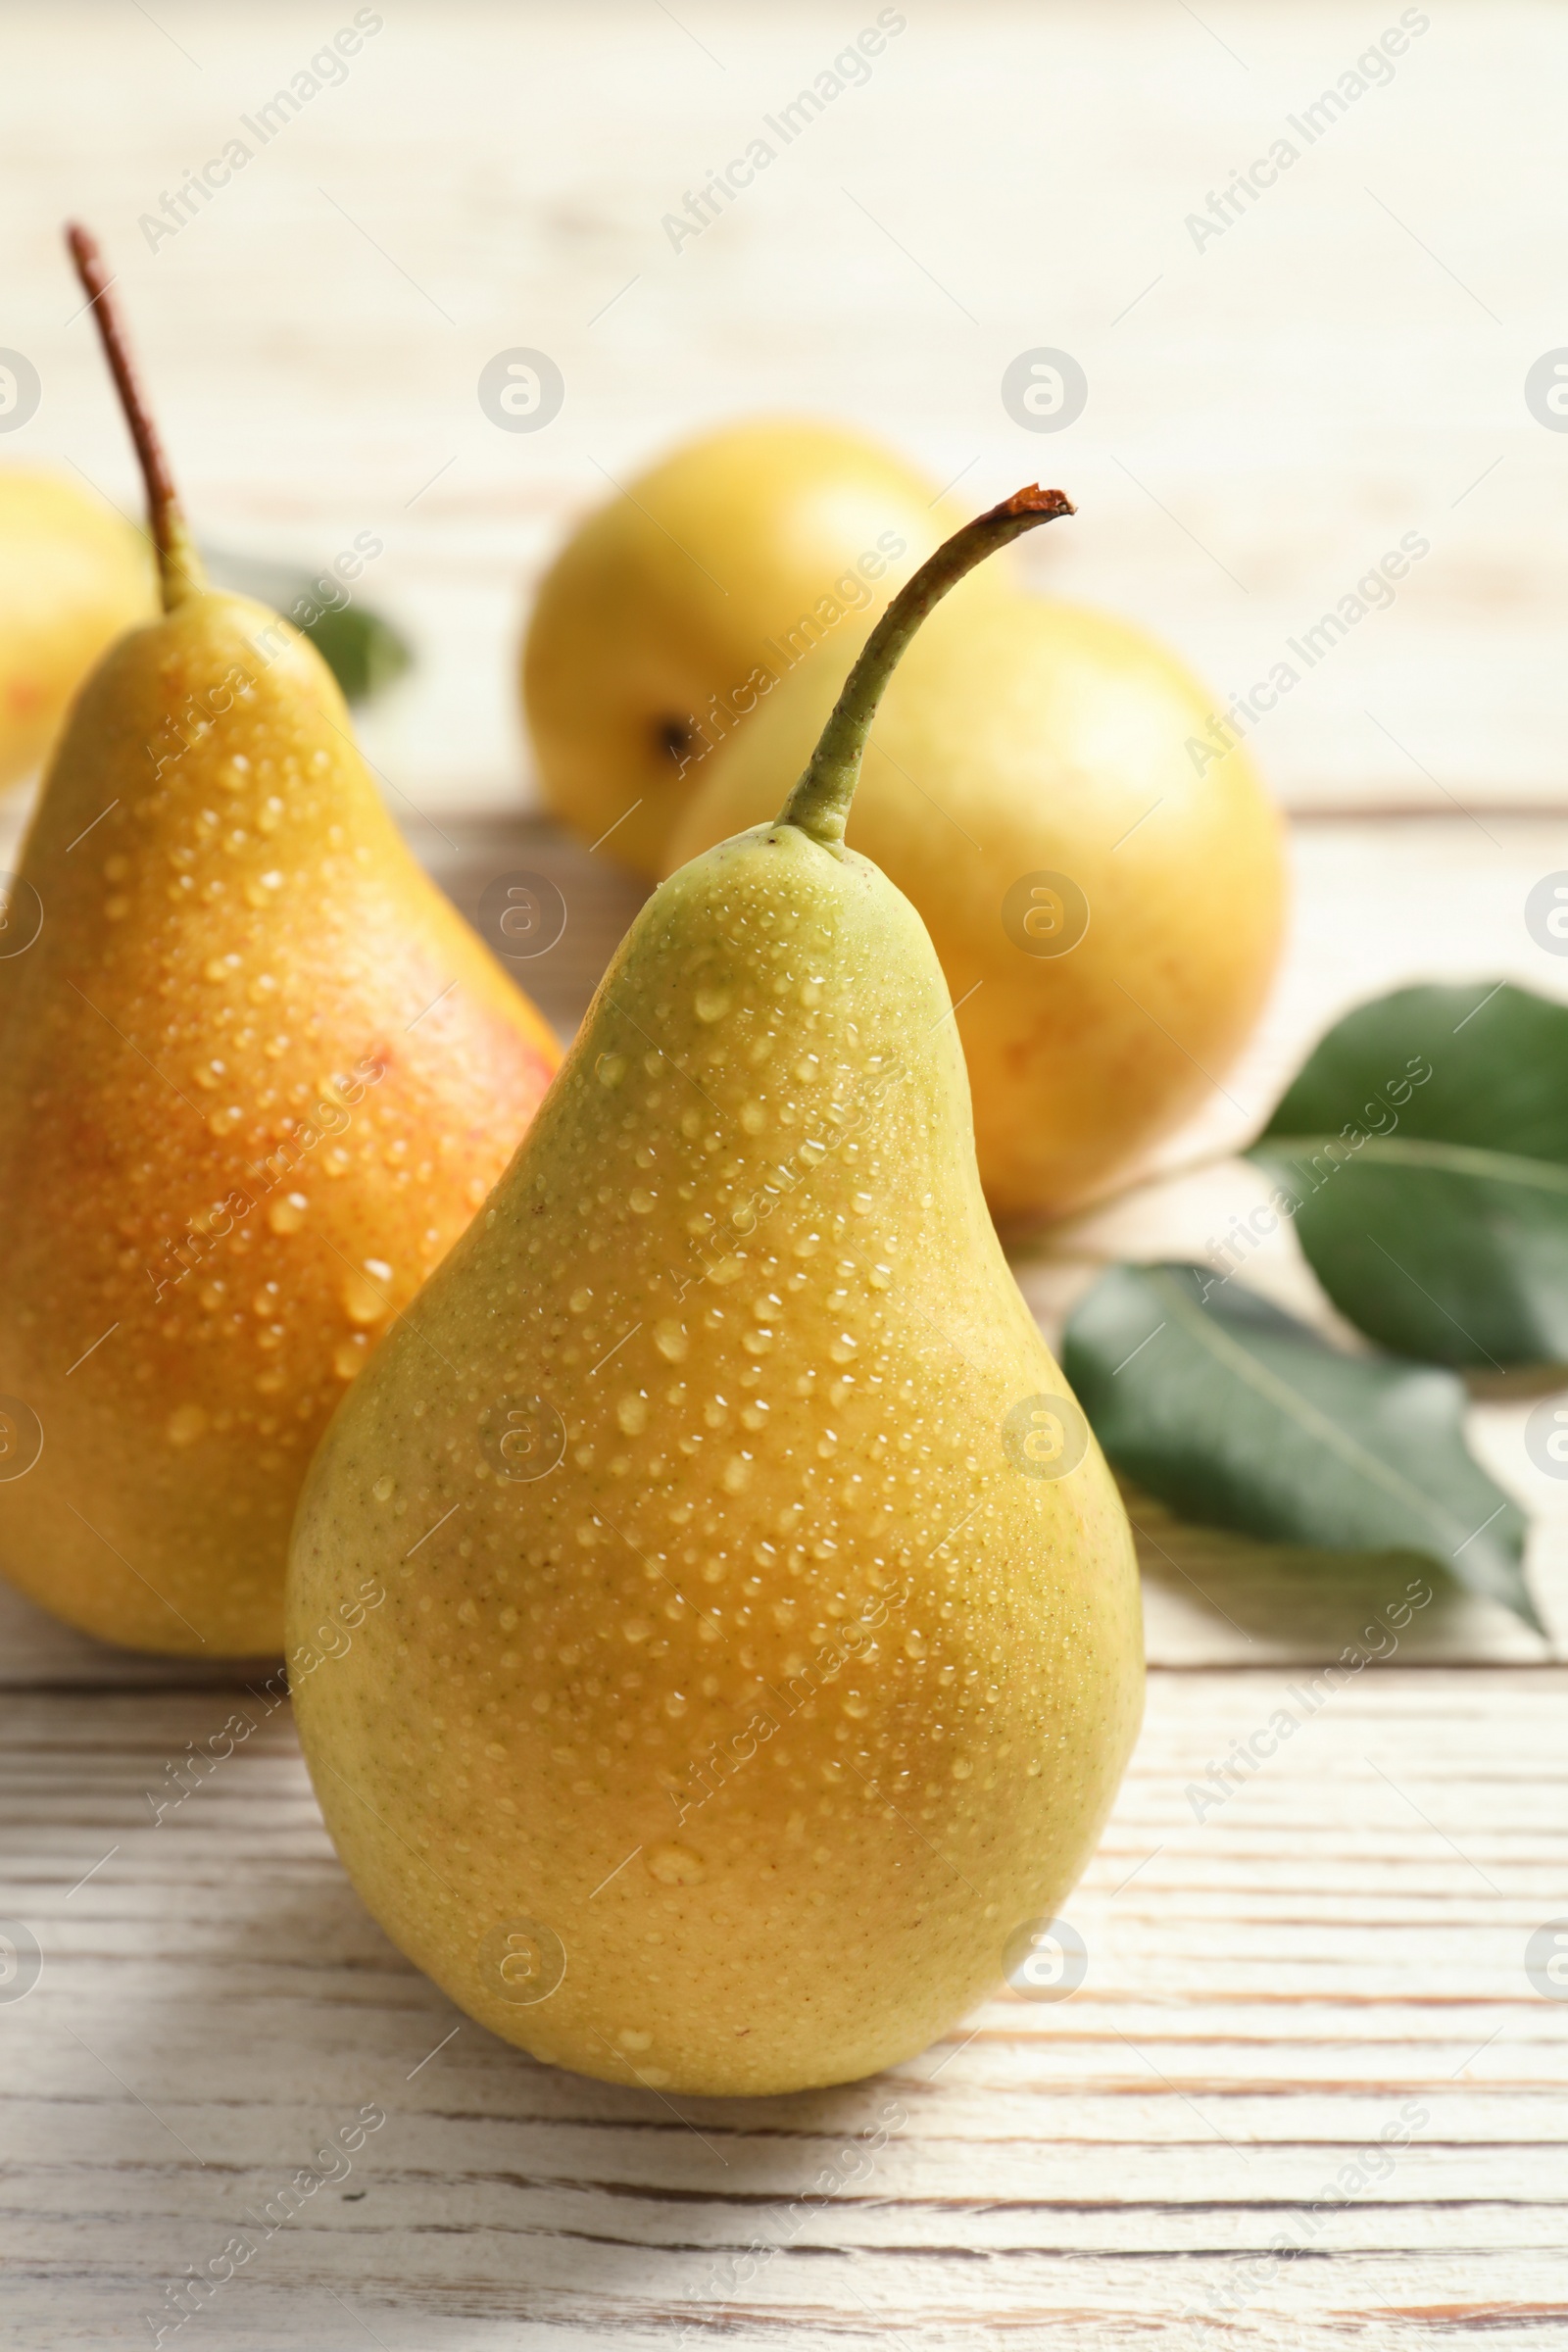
x=1334 y=1953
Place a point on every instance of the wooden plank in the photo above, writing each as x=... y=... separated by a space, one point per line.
x=1333 y=1954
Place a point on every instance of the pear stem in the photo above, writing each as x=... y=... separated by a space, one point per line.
x=179 y=566
x=820 y=804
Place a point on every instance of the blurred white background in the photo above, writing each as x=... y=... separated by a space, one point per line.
x=1269 y=408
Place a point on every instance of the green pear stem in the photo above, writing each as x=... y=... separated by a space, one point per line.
x=179 y=567
x=820 y=804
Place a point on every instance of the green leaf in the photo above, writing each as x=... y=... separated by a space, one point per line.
x=364 y=652
x=1423 y=1154
x=1236 y=1415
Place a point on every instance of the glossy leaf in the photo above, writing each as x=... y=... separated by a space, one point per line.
x=1239 y=1416
x=1423 y=1154
x=364 y=652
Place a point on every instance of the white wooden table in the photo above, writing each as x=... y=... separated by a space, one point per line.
x=1275 y=1985
x=1336 y=1953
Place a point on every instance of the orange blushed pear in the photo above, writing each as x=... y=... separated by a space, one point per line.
x=255 y=1077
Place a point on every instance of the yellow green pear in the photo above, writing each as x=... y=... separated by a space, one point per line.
x=254 y=1078
x=1103 y=885
x=727 y=1628
x=72 y=577
x=750 y=553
